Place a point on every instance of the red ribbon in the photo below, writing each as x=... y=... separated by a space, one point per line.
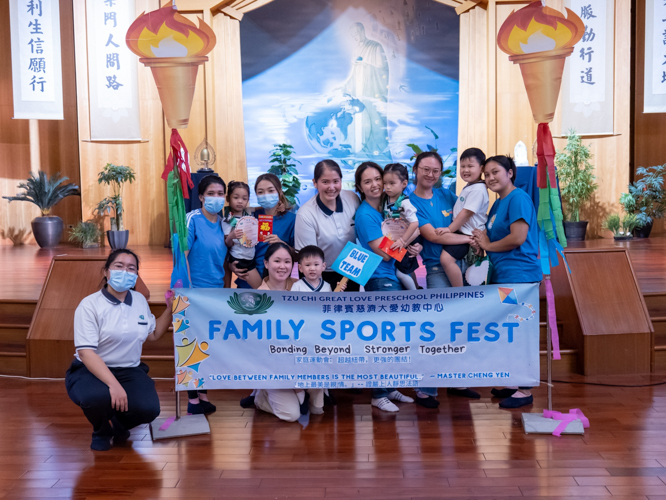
x=179 y=157
x=546 y=156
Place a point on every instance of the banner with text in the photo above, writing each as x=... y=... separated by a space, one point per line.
x=463 y=337
x=36 y=66
x=112 y=72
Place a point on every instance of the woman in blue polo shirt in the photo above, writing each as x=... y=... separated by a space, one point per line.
x=511 y=242
x=434 y=209
x=107 y=379
x=272 y=200
x=205 y=257
x=368 y=221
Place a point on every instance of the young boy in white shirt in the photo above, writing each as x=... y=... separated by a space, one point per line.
x=311 y=265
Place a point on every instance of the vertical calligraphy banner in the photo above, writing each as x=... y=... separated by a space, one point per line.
x=112 y=72
x=36 y=67
x=654 y=100
x=587 y=84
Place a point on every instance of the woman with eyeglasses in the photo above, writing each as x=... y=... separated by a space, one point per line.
x=434 y=209
x=107 y=379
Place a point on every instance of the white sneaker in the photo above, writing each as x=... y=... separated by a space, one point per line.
x=316 y=410
x=399 y=396
x=384 y=404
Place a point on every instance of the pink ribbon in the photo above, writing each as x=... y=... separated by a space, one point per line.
x=566 y=419
x=167 y=423
x=552 y=320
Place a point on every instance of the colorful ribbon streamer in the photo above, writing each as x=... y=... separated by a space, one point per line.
x=179 y=158
x=566 y=418
x=167 y=423
x=545 y=156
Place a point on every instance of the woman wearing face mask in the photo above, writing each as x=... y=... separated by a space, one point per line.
x=327 y=219
x=206 y=255
x=107 y=379
x=272 y=202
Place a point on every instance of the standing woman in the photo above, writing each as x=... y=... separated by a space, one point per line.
x=369 y=220
x=107 y=379
x=205 y=257
x=273 y=202
x=511 y=242
x=327 y=220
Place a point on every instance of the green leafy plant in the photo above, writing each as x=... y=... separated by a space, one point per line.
x=87 y=233
x=621 y=226
x=629 y=223
x=45 y=191
x=646 y=197
x=283 y=164
x=115 y=176
x=575 y=173
x=612 y=223
x=449 y=171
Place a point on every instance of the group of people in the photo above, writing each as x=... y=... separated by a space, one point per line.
x=107 y=378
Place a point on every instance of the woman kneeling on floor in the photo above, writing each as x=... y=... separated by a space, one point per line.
x=107 y=379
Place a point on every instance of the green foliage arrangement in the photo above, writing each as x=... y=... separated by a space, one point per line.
x=115 y=176
x=575 y=173
x=646 y=197
x=87 y=233
x=621 y=226
x=283 y=164
x=45 y=191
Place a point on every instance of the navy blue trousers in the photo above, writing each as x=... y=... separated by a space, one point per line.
x=92 y=395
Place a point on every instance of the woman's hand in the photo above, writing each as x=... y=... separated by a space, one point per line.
x=414 y=249
x=480 y=239
x=272 y=238
x=441 y=231
x=118 y=397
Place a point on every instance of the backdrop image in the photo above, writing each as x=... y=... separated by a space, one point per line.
x=352 y=81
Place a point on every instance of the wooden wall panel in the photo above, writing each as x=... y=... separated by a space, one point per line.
x=58 y=138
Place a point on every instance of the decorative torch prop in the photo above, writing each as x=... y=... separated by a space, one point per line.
x=540 y=39
x=173 y=48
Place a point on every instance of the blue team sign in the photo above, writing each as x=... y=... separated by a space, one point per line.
x=356 y=263
x=455 y=337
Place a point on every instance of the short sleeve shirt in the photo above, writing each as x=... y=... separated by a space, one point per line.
x=520 y=265
x=304 y=286
x=283 y=227
x=369 y=228
x=436 y=211
x=115 y=330
x=330 y=230
x=473 y=197
x=207 y=250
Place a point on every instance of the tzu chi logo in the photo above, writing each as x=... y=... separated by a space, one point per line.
x=250 y=303
x=491 y=222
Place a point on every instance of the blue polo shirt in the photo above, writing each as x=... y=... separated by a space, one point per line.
x=520 y=265
x=438 y=212
x=368 y=223
x=207 y=250
x=283 y=227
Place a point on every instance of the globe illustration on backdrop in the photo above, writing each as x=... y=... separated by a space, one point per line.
x=249 y=300
x=328 y=129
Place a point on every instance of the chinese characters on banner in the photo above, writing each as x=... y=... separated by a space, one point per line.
x=587 y=104
x=36 y=68
x=112 y=72
x=655 y=57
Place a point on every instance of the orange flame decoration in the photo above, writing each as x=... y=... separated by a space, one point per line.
x=536 y=28
x=166 y=33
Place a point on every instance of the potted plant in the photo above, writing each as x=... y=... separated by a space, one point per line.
x=282 y=165
x=115 y=176
x=646 y=198
x=621 y=227
x=577 y=185
x=45 y=192
x=87 y=233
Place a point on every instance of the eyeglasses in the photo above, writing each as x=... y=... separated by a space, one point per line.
x=430 y=171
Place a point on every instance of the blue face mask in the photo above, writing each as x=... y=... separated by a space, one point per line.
x=269 y=200
x=214 y=204
x=121 y=281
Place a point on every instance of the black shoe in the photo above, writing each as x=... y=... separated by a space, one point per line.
x=247 y=402
x=100 y=443
x=305 y=405
x=207 y=406
x=464 y=393
x=329 y=399
x=516 y=402
x=195 y=409
x=428 y=402
x=502 y=393
x=120 y=433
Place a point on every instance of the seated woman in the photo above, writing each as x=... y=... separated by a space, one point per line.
x=511 y=242
x=107 y=379
x=286 y=404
